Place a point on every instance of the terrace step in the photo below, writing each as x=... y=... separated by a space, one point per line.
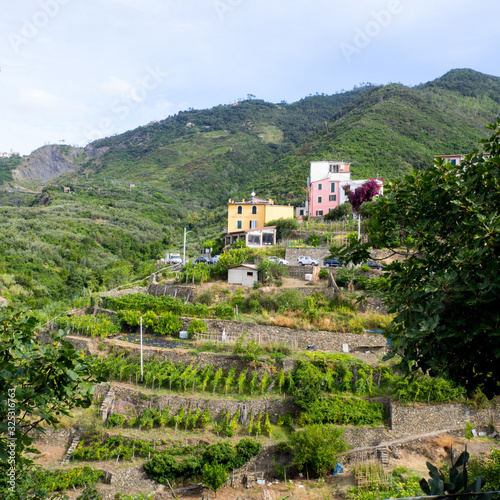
x=107 y=403
x=72 y=447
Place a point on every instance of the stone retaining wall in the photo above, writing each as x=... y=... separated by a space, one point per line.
x=297 y=339
x=323 y=340
x=318 y=253
x=216 y=407
x=427 y=418
x=171 y=290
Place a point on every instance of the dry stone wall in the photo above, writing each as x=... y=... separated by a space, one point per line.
x=427 y=418
x=318 y=253
x=323 y=340
x=170 y=290
x=216 y=407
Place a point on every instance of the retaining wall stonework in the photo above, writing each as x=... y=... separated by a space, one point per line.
x=300 y=339
x=323 y=340
x=223 y=361
x=317 y=253
x=216 y=407
x=171 y=290
x=428 y=418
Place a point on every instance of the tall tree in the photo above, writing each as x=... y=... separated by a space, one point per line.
x=445 y=292
x=39 y=382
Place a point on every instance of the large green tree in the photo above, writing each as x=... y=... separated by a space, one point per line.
x=39 y=382
x=445 y=292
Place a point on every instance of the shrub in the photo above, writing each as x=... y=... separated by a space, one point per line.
x=196 y=326
x=168 y=324
x=317 y=447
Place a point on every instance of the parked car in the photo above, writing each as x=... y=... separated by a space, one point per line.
x=305 y=260
x=215 y=259
x=279 y=260
x=373 y=265
x=332 y=263
x=173 y=258
x=203 y=260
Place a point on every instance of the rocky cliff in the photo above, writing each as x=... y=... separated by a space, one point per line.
x=46 y=163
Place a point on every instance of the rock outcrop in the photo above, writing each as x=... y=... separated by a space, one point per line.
x=46 y=163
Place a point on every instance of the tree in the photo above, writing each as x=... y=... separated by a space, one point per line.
x=340 y=212
x=445 y=294
x=214 y=476
x=284 y=227
x=316 y=447
x=366 y=192
x=38 y=383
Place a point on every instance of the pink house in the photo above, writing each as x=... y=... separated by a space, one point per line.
x=326 y=186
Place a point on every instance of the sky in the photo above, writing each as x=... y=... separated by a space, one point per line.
x=73 y=71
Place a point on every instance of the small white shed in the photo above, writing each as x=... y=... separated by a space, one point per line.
x=246 y=275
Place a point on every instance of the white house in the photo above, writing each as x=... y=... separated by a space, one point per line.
x=246 y=275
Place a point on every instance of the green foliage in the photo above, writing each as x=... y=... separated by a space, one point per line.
x=164 y=464
x=214 y=476
x=317 y=447
x=168 y=324
x=284 y=227
x=488 y=467
x=250 y=351
x=196 y=326
x=39 y=383
x=342 y=410
x=101 y=325
x=445 y=294
x=271 y=271
x=60 y=480
x=458 y=480
x=340 y=212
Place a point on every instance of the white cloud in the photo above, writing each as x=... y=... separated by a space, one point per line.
x=116 y=86
x=38 y=99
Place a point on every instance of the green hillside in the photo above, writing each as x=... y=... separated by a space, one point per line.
x=186 y=167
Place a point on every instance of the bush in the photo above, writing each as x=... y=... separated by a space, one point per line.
x=250 y=352
x=196 y=326
x=246 y=448
x=317 y=447
x=168 y=324
x=222 y=453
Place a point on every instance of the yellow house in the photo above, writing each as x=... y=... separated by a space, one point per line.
x=255 y=213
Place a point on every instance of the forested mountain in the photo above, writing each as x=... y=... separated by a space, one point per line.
x=131 y=194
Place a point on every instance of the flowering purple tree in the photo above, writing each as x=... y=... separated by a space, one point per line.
x=363 y=193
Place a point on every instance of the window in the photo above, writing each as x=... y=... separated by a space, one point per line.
x=320 y=199
x=250 y=273
x=301 y=212
x=332 y=197
x=253 y=224
x=334 y=169
x=320 y=187
x=239 y=224
x=268 y=239
x=319 y=212
x=240 y=210
x=453 y=162
x=332 y=187
x=254 y=210
x=254 y=239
